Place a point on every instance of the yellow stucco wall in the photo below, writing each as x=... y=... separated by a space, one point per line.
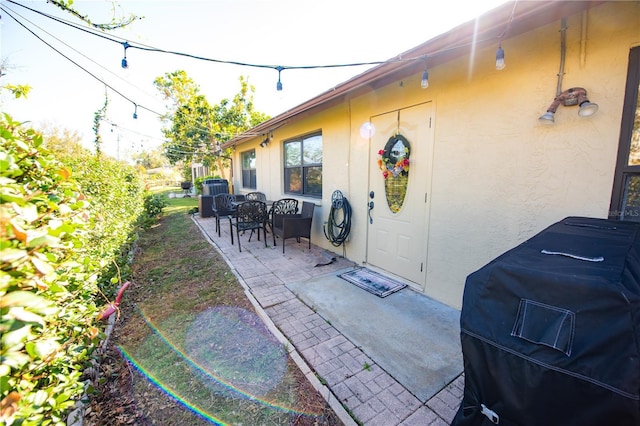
x=498 y=176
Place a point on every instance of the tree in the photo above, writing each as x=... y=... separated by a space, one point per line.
x=18 y=90
x=150 y=159
x=119 y=22
x=64 y=142
x=195 y=128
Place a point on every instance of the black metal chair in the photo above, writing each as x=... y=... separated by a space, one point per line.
x=286 y=209
x=294 y=225
x=223 y=206
x=281 y=207
x=250 y=215
x=259 y=196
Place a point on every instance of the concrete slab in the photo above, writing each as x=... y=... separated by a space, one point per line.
x=411 y=336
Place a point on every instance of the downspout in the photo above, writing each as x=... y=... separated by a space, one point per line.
x=563 y=49
x=583 y=38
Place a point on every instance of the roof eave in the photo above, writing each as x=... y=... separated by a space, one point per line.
x=487 y=29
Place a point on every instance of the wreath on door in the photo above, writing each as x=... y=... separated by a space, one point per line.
x=393 y=160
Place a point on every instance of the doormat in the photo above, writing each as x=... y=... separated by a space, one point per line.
x=372 y=282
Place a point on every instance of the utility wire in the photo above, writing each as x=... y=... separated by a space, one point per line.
x=278 y=68
x=78 y=65
x=99 y=79
x=127 y=45
x=77 y=51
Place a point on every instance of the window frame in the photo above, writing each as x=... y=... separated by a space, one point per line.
x=303 y=168
x=623 y=170
x=251 y=171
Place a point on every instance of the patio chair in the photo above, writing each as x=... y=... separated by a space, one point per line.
x=281 y=207
x=223 y=206
x=260 y=196
x=250 y=215
x=294 y=225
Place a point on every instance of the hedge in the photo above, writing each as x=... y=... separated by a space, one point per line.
x=64 y=225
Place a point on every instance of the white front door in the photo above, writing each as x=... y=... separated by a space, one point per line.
x=397 y=242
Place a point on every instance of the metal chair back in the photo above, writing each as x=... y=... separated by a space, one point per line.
x=294 y=225
x=223 y=205
x=280 y=208
x=258 y=196
x=249 y=216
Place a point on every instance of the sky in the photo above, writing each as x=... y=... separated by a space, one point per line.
x=70 y=70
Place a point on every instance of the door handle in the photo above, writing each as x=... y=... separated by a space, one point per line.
x=369 y=212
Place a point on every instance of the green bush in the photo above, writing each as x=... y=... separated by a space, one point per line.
x=116 y=192
x=199 y=180
x=47 y=282
x=67 y=225
x=153 y=206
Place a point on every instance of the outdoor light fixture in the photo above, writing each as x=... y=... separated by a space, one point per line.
x=500 y=58
x=425 y=79
x=265 y=142
x=424 y=83
x=125 y=65
x=573 y=96
x=279 y=84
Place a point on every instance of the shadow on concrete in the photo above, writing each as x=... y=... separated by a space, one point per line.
x=413 y=337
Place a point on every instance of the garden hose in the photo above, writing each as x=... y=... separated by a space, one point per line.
x=338 y=232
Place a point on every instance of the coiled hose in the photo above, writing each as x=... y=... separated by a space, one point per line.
x=338 y=232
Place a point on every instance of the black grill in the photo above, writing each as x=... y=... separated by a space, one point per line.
x=550 y=330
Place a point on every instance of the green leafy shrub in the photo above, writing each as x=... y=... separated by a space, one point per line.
x=47 y=281
x=153 y=206
x=199 y=180
x=67 y=224
x=116 y=192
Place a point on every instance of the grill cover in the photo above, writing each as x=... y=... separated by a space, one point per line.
x=550 y=330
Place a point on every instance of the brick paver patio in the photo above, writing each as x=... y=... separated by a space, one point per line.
x=370 y=394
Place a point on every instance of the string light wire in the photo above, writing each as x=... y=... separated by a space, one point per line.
x=279 y=68
x=78 y=65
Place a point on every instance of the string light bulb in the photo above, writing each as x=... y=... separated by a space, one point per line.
x=425 y=79
x=135 y=111
x=125 y=64
x=279 y=84
x=500 y=58
x=424 y=83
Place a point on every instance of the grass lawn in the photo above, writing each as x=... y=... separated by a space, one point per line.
x=188 y=347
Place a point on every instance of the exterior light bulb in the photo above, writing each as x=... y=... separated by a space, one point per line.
x=587 y=108
x=124 y=63
x=424 y=83
x=547 y=118
x=279 y=85
x=500 y=58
